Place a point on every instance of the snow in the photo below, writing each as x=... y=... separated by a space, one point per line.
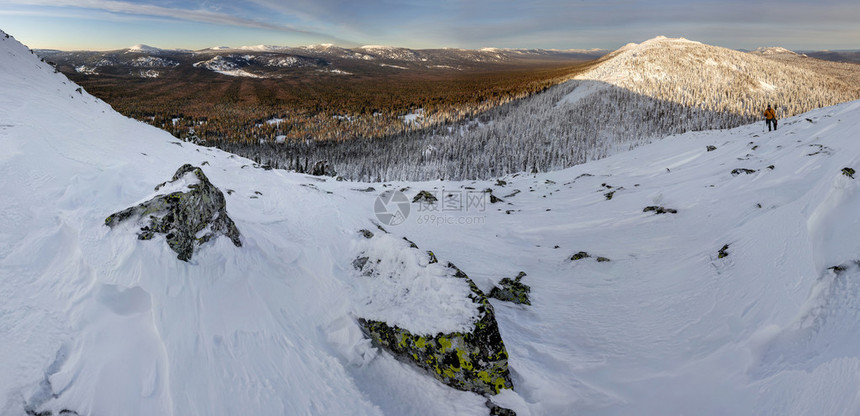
x=83 y=69
x=414 y=117
x=141 y=48
x=263 y=48
x=401 y=286
x=228 y=65
x=393 y=66
x=583 y=90
x=774 y=50
x=153 y=62
x=97 y=321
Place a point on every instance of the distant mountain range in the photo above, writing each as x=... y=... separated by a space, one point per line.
x=268 y=61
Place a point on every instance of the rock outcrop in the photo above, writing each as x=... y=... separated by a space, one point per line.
x=473 y=360
x=191 y=212
x=512 y=290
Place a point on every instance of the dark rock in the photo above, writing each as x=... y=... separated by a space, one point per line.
x=579 y=256
x=424 y=196
x=496 y=410
x=494 y=199
x=723 y=253
x=711 y=148
x=849 y=172
x=366 y=233
x=512 y=290
x=500 y=182
x=602 y=259
x=182 y=215
x=771 y=167
x=660 y=210
x=322 y=168
x=512 y=194
x=736 y=172
x=359 y=262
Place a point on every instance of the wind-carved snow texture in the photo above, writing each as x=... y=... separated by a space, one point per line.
x=632 y=96
x=828 y=327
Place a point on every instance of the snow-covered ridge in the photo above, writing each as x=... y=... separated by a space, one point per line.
x=153 y=62
x=263 y=48
x=718 y=79
x=141 y=48
x=774 y=50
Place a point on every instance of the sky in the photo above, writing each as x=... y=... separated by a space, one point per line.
x=572 y=24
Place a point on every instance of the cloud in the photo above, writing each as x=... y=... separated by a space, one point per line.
x=199 y=15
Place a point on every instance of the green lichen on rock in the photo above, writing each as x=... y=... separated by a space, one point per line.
x=187 y=219
x=849 y=172
x=473 y=361
x=579 y=256
x=512 y=290
x=602 y=259
x=496 y=410
x=723 y=253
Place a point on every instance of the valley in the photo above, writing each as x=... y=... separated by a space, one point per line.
x=269 y=94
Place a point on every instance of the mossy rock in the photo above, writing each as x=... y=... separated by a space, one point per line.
x=849 y=172
x=723 y=253
x=512 y=290
x=475 y=361
x=579 y=256
x=496 y=410
x=183 y=215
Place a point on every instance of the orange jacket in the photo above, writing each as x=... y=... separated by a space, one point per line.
x=769 y=114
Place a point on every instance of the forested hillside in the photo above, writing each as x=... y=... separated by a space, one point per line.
x=637 y=93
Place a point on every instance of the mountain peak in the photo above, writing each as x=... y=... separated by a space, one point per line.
x=141 y=48
x=774 y=50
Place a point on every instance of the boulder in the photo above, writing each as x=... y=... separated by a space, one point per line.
x=190 y=212
x=512 y=290
x=470 y=360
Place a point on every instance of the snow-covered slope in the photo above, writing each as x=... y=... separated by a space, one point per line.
x=96 y=321
x=719 y=79
x=141 y=48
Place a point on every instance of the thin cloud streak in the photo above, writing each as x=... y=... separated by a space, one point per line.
x=201 y=16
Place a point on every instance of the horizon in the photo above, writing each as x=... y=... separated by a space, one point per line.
x=102 y=25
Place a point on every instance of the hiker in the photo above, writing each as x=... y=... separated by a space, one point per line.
x=770 y=117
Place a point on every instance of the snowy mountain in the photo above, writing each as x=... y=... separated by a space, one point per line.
x=706 y=273
x=314 y=59
x=141 y=48
x=629 y=97
x=773 y=50
x=719 y=79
